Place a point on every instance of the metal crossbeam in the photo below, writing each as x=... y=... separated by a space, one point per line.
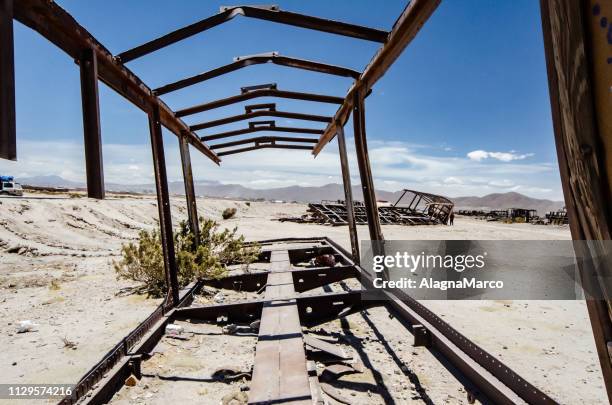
x=259 y=92
x=303 y=279
x=242 y=62
x=263 y=140
x=270 y=13
x=257 y=127
x=260 y=113
x=265 y=146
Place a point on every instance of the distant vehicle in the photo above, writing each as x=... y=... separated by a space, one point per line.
x=9 y=187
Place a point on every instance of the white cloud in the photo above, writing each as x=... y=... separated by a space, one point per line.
x=395 y=165
x=479 y=155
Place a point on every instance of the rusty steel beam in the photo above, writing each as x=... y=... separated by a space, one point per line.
x=280 y=374
x=257 y=127
x=348 y=194
x=259 y=113
x=244 y=61
x=163 y=205
x=321 y=307
x=251 y=94
x=407 y=26
x=272 y=13
x=365 y=171
x=91 y=124
x=8 y=131
x=303 y=279
x=192 y=207
x=262 y=140
x=60 y=28
x=265 y=146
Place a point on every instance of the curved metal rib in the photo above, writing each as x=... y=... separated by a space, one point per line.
x=248 y=95
x=242 y=62
x=263 y=13
x=255 y=128
x=267 y=146
x=263 y=139
x=260 y=113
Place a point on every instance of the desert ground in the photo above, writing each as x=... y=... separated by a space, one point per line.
x=56 y=254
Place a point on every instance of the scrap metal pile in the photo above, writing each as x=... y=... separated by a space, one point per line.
x=514 y=214
x=519 y=215
x=422 y=209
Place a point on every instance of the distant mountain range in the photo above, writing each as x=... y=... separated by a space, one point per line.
x=304 y=194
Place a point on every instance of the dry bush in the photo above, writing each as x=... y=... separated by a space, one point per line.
x=143 y=261
x=229 y=213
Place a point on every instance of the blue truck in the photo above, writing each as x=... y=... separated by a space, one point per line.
x=8 y=186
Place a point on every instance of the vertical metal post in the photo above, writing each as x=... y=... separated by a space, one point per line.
x=367 y=184
x=192 y=208
x=91 y=124
x=348 y=193
x=576 y=44
x=8 y=135
x=163 y=204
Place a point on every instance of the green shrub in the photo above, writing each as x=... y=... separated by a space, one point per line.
x=143 y=261
x=229 y=213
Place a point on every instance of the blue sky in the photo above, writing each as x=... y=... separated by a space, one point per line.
x=464 y=111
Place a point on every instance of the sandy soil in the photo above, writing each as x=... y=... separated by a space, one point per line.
x=59 y=275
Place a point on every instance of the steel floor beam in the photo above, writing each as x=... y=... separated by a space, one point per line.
x=280 y=374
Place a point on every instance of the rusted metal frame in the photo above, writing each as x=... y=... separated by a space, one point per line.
x=273 y=14
x=258 y=128
x=242 y=62
x=250 y=309
x=260 y=113
x=192 y=206
x=163 y=205
x=495 y=380
x=365 y=171
x=407 y=26
x=8 y=132
x=579 y=113
x=60 y=28
x=91 y=124
x=251 y=94
x=264 y=146
x=262 y=140
x=348 y=194
x=114 y=366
